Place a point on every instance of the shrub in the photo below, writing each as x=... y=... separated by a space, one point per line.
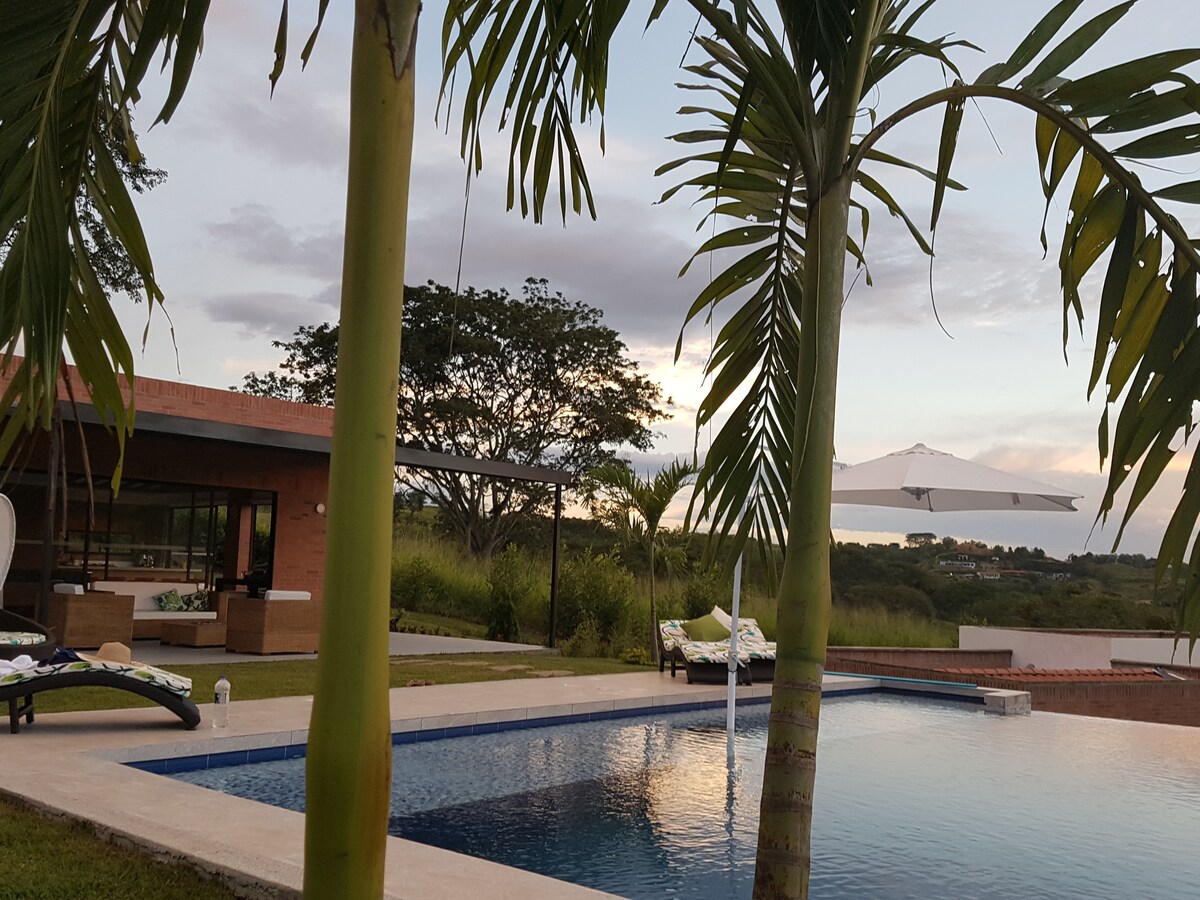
x=701 y=592
x=635 y=656
x=1065 y=608
x=593 y=587
x=418 y=585
x=954 y=596
x=890 y=597
x=435 y=578
x=509 y=585
x=584 y=640
x=502 y=621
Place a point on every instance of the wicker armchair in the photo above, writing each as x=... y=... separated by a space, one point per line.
x=82 y=618
x=281 y=622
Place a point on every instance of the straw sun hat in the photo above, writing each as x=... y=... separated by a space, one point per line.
x=113 y=652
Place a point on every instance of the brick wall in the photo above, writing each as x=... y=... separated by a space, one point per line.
x=300 y=479
x=923 y=656
x=1168 y=702
x=213 y=405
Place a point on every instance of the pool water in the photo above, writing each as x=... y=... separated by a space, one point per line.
x=915 y=799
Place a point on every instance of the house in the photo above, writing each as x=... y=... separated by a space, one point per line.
x=218 y=487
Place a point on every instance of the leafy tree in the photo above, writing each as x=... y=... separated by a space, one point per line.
x=633 y=507
x=919 y=539
x=784 y=156
x=788 y=147
x=536 y=380
x=308 y=372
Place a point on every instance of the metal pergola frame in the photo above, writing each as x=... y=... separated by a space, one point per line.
x=166 y=423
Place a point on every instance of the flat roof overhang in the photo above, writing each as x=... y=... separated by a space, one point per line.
x=184 y=426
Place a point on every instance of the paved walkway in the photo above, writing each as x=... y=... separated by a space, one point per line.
x=399 y=644
x=68 y=764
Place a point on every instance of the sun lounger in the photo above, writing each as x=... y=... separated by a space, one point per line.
x=164 y=688
x=708 y=661
x=20 y=636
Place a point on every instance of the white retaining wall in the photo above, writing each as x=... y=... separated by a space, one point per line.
x=1058 y=650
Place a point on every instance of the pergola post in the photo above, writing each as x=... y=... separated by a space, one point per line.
x=554 y=566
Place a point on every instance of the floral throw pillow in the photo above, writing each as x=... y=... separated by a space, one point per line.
x=170 y=601
x=197 y=602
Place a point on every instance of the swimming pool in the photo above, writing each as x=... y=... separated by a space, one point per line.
x=915 y=799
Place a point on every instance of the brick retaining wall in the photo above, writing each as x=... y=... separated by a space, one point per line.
x=1168 y=702
x=924 y=656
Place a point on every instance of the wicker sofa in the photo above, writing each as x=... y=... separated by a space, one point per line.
x=147 y=616
x=279 y=622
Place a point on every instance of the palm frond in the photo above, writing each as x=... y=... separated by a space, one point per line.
x=1147 y=348
x=554 y=57
x=72 y=69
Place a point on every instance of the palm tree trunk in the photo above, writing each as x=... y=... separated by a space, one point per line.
x=349 y=745
x=785 y=823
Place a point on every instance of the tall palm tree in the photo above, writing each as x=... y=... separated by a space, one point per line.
x=634 y=506
x=789 y=148
x=792 y=137
x=71 y=70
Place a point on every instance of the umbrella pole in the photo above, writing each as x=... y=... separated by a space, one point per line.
x=732 y=689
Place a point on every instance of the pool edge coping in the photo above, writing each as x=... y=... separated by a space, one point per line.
x=213 y=832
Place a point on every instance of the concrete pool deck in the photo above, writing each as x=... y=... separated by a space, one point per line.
x=69 y=764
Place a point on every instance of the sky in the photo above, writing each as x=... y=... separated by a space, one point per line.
x=246 y=235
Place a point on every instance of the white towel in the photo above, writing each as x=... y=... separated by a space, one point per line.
x=8 y=666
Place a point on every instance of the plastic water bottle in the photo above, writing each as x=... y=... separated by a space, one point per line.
x=221 y=703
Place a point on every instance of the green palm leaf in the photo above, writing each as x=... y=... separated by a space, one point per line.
x=72 y=68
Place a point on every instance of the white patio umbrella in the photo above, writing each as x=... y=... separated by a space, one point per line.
x=927 y=479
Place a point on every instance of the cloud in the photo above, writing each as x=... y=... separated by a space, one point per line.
x=625 y=263
x=253 y=234
x=297 y=129
x=269 y=313
x=983 y=276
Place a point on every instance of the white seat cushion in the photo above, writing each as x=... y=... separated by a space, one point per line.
x=287 y=595
x=146 y=615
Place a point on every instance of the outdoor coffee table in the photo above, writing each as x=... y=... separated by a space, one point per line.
x=194 y=633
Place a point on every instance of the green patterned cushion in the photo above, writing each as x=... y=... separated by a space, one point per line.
x=168 y=681
x=706 y=628
x=170 y=601
x=672 y=633
x=20 y=638
x=197 y=602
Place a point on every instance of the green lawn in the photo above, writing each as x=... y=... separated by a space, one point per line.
x=428 y=623
x=289 y=678
x=49 y=859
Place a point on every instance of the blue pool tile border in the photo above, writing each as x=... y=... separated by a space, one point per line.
x=176 y=764
x=173 y=765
